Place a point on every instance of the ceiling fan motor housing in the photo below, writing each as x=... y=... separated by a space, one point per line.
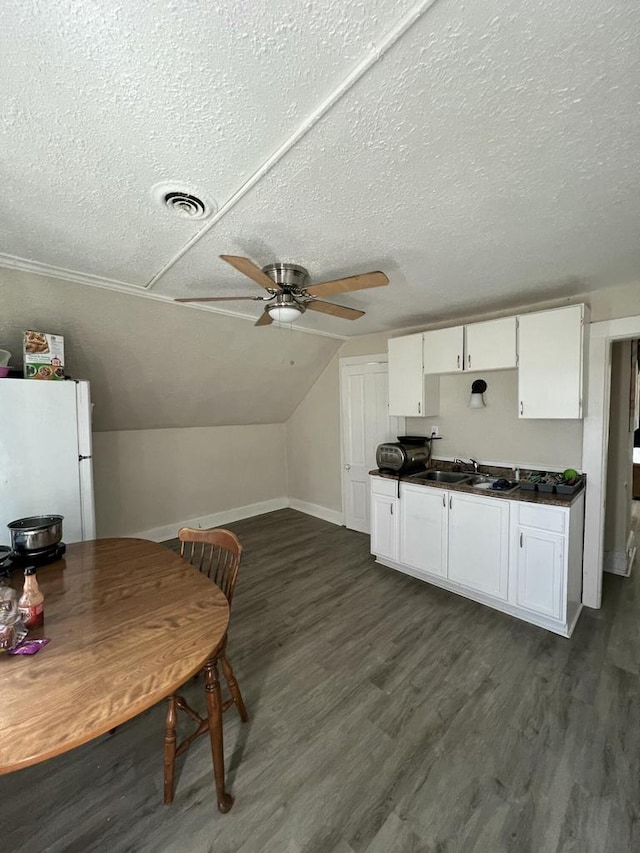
x=287 y=275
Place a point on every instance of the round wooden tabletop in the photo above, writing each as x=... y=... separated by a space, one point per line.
x=129 y=622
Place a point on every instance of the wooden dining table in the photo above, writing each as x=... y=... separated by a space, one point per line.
x=129 y=622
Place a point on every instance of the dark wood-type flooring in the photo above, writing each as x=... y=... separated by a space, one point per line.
x=387 y=716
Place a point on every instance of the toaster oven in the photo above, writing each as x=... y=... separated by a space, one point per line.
x=396 y=457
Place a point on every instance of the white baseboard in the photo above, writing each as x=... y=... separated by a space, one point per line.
x=216 y=519
x=317 y=511
x=616 y=562
x=219 y=519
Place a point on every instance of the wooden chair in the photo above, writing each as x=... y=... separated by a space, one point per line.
x=216 y=553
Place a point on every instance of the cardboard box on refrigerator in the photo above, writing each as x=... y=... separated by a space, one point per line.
x=43 y=355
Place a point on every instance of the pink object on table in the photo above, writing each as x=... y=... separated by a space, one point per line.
x=4 y=372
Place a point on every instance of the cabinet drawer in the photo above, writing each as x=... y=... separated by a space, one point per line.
x=553 y=519
x=380 y=486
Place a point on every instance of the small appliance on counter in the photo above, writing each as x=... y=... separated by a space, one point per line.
x=410 y=453
x=35 y=541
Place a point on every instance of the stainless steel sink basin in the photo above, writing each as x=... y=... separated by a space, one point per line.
x=442 y=476
x=484 y=483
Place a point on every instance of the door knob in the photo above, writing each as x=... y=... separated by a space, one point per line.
x=347 y=467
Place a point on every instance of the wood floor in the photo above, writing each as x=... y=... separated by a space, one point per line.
x=387 y=716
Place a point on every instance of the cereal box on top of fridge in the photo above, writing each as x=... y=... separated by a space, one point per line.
x=43 y=355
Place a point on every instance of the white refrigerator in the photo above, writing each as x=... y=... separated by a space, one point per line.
x=45 y=455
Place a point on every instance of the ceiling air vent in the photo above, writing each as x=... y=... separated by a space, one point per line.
x=182 y=202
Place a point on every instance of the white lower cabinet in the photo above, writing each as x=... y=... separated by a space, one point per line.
x=423 y=529
x=519 y=557
x=479 y=543
x=384 y=526
x=540 y=583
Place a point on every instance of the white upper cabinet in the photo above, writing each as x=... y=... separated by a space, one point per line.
x=550 y=369
x=406 y=379
x=547 y=347
x=409 y=394
x=443 y=350
x=491 y=345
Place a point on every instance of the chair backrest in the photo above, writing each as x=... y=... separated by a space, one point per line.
x=216 y=553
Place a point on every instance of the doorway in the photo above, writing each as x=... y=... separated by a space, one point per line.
x=619 y=533
x=365 y=423
x=596 y=446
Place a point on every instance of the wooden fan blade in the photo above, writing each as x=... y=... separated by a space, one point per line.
x=335 y=310
x=218 y=298
x=247 y=267
x=265 y=320
x=344 y=285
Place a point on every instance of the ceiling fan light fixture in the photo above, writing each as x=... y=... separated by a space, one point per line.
x=285 y=313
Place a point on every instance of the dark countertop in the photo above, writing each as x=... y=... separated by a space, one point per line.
x=542 y=498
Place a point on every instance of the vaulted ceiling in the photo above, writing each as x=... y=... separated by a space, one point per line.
x=153 y=365
x=481 y=154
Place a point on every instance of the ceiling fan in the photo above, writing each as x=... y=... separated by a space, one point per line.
x=289 y=296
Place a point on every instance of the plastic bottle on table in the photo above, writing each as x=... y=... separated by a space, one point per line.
x=31 y=601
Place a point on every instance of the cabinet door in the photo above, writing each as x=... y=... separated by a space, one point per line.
x=443 y=350
x=550 y=349
x=491 y=345
x=541 y=571
x=423 y=529
x=384 y=526
x=479 y=543
x=406 y=379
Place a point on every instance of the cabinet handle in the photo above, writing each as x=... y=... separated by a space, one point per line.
x=391 y=508
x=450 y=502
x=444 y=501
x=419 y=405
x=458 y=361
x=521 y=540
x=521 y=407
x=469 y=360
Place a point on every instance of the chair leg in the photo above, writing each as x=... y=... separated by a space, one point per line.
x=170 y=751
x=234 y=687
x=214 y=712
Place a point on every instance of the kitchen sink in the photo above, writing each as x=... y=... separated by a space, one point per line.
x=442 y=476
x=484 y=483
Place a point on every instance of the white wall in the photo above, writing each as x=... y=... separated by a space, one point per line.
x=146 y=479
x=166 y=381
x=313 y=443
x=496 y=433
x=154 y=365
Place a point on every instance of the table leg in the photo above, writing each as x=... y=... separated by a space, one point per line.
x=214 y=711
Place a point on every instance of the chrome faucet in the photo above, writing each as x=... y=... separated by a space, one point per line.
x=471 y=461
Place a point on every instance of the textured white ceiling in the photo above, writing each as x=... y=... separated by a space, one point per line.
x=489 y=157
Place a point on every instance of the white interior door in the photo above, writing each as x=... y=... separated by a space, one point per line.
x=365 y=424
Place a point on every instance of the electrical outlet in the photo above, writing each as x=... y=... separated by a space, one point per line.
x=435 y=430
